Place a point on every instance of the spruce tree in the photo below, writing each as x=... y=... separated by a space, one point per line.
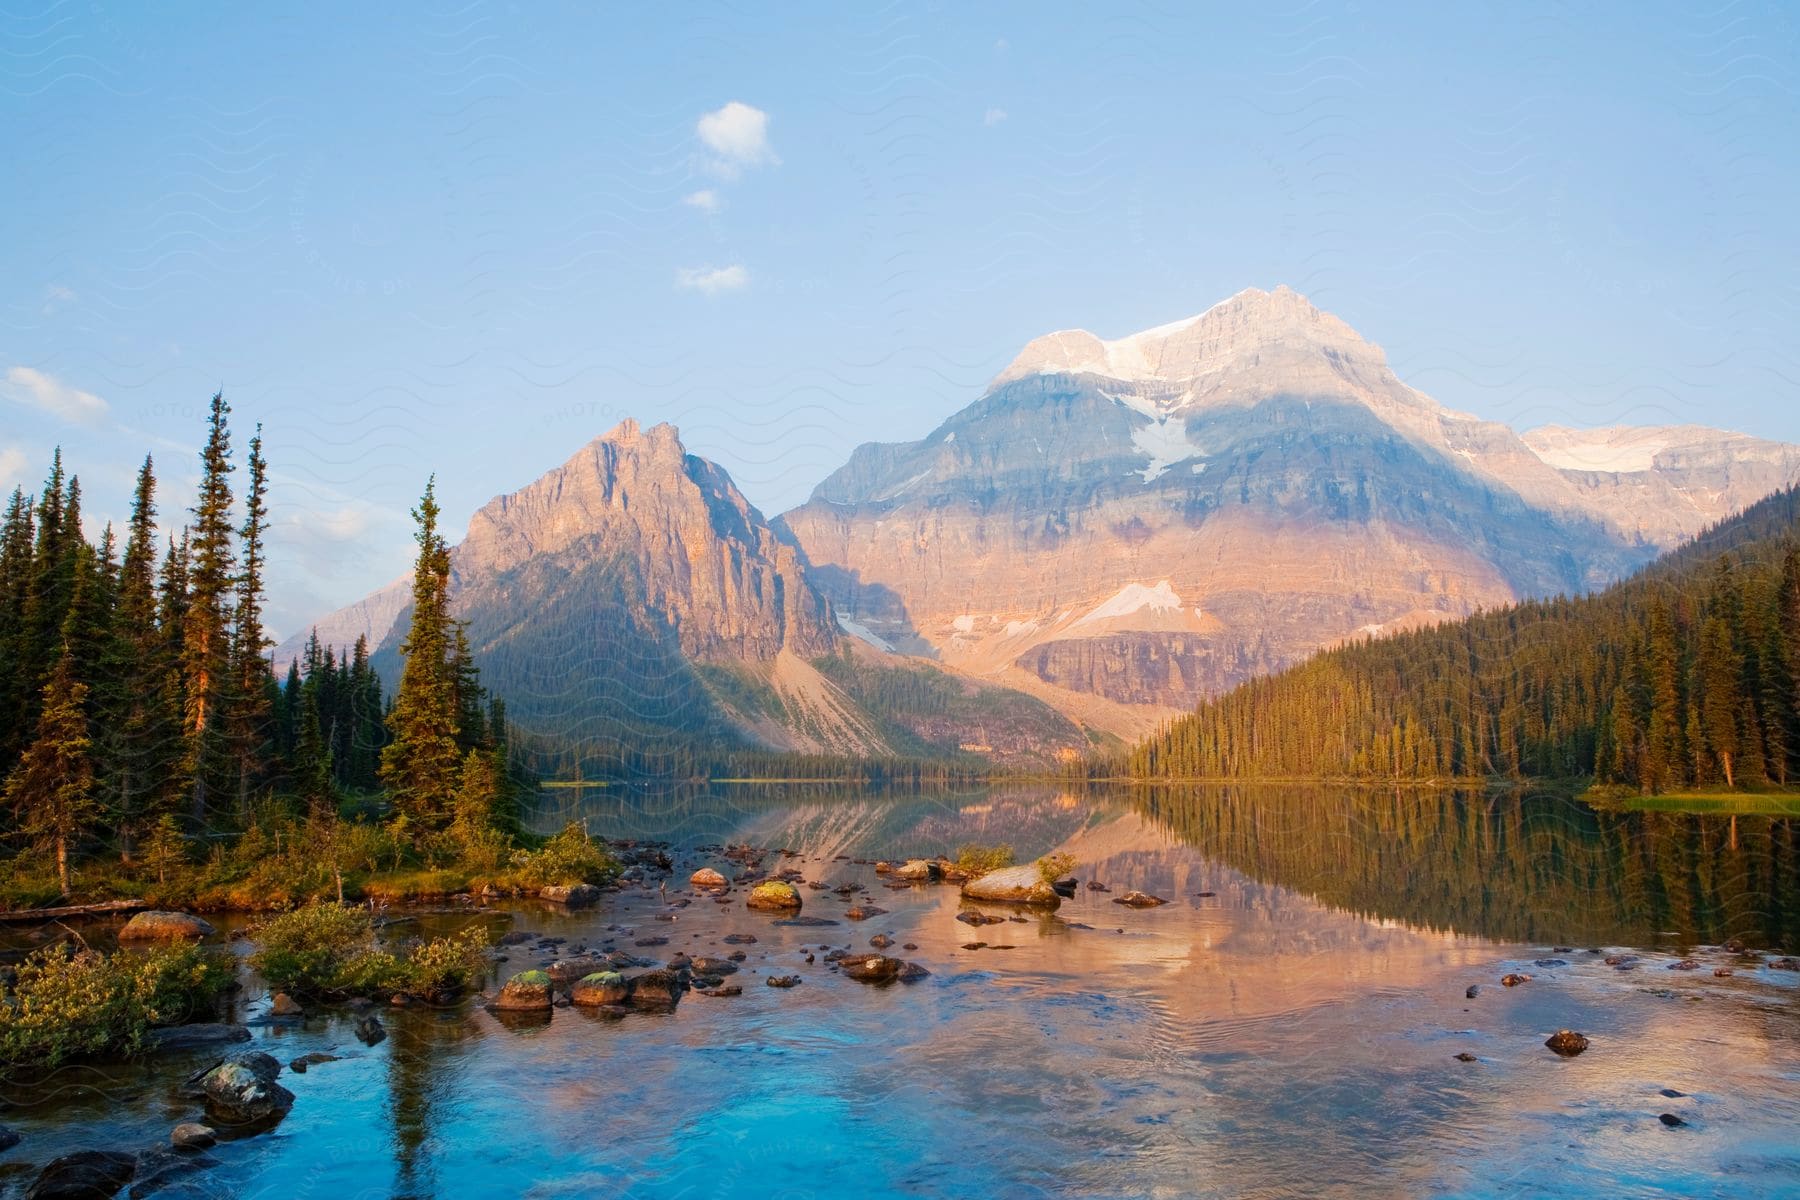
x=51 y=790
x=206 y=642
x=420 y=766
x=1719 y=671
x=251 y=682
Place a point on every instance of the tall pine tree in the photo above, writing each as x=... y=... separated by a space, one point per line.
x=421 y=765
x=206 y=638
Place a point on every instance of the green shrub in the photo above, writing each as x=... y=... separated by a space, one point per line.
x=68 y=1003
x=323 y=950
x=974 y=859
x=445 y=967
x=569 y=857
x=1053 y=867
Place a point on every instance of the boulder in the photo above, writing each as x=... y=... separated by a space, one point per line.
x=707 y=965
x=918 y=869
x=1465 y=1056
x=284 y=1005
x=190 y=1037
x=706 y=877
x=862 y=912
x=602 y=987
x=156 y=926
x=527 y=991
x=1139 y=900
x=1013 y=885
x=912 y=972
x=1514 y=980
x=191 y=1135
x=881 y=941
x=83 y=1175
x=568 y=970
x=1567 y=1042
x=783 y=981
x=739 y=939
x=774 y=895
x=971 y=916
x=299 y=1065
x=370 y=1031
x=1671 y=1120
x=873 y=968
x=572 y=894
x=242 y=1090
x=1784 y=964
x=659 y=989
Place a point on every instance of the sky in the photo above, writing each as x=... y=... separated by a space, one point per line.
x=468 y=239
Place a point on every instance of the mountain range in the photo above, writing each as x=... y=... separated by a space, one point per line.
x=1112 y=532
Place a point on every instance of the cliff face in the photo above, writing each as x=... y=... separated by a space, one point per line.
x=1156 y=518
x=701 y=557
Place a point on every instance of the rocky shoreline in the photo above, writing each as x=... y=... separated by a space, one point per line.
x=633 y=966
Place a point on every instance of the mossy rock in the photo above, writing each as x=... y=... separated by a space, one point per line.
x=526 y=991
x=774 y=895
x=602 y=987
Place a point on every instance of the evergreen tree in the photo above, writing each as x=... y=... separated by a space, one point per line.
x=51 y=790
x=16 y=540
x=1718 y=673
x=420 y=765
x=252 y=684
x=206 y=642
x=312 y=780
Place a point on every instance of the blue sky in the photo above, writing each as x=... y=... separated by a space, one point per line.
x=468 y=240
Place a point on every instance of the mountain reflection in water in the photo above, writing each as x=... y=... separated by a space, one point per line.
x=1285 y=1026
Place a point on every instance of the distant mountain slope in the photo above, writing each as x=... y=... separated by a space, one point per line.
x=1688 y=674
x=637 y=613
x=1156 y=518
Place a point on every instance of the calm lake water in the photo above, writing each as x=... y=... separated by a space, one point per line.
x=1285 y=1026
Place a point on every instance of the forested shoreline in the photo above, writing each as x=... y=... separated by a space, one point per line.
x=1686 y=675
x=148 y=748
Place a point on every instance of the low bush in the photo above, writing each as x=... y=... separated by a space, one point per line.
x=975 y=859
x=327 y=951
x=1053 y=867
x=569 y=857
x=69 y=1003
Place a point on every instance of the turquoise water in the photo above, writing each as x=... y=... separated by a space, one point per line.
x=1291 y=1033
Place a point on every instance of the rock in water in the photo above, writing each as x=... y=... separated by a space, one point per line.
x=83 y=1175
x=284 y=1005
x=9 y=1137
x=706 y=877
x=1013 y=885
x=188 y=1037
x=1514 y=980
x=527 y=991
x=242 y=1089
x=773 y=895
x=1474 y=991
x=918 y=870
x=191 y=1135
x=602 y=987
x=158 y=926
x=1139 y=900
x=299 y=1065
x=1567 y=1042
x=568 y=970
x=1671 y=1120
x=657 y=990
x=873 y=968
x=783 y=981
x=574 y=895
x=1465 y=1056
x=370 y=1031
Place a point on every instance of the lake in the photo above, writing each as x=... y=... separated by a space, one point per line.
x=1286 y=1025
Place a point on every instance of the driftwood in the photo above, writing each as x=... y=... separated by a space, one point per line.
x=73 y=910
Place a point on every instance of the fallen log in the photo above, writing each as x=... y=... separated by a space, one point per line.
x=73 y=910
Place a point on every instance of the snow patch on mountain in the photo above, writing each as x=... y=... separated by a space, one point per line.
x=864 y=633
x=1615 y=449
x=1134 y=597
x=1166 y=443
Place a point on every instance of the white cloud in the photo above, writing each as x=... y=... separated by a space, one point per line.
x=57 y=296
x=12 y=469
x=23 y=385
x=993 y=117
x=738 y=136
x=706 y=200
x=713 y=280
